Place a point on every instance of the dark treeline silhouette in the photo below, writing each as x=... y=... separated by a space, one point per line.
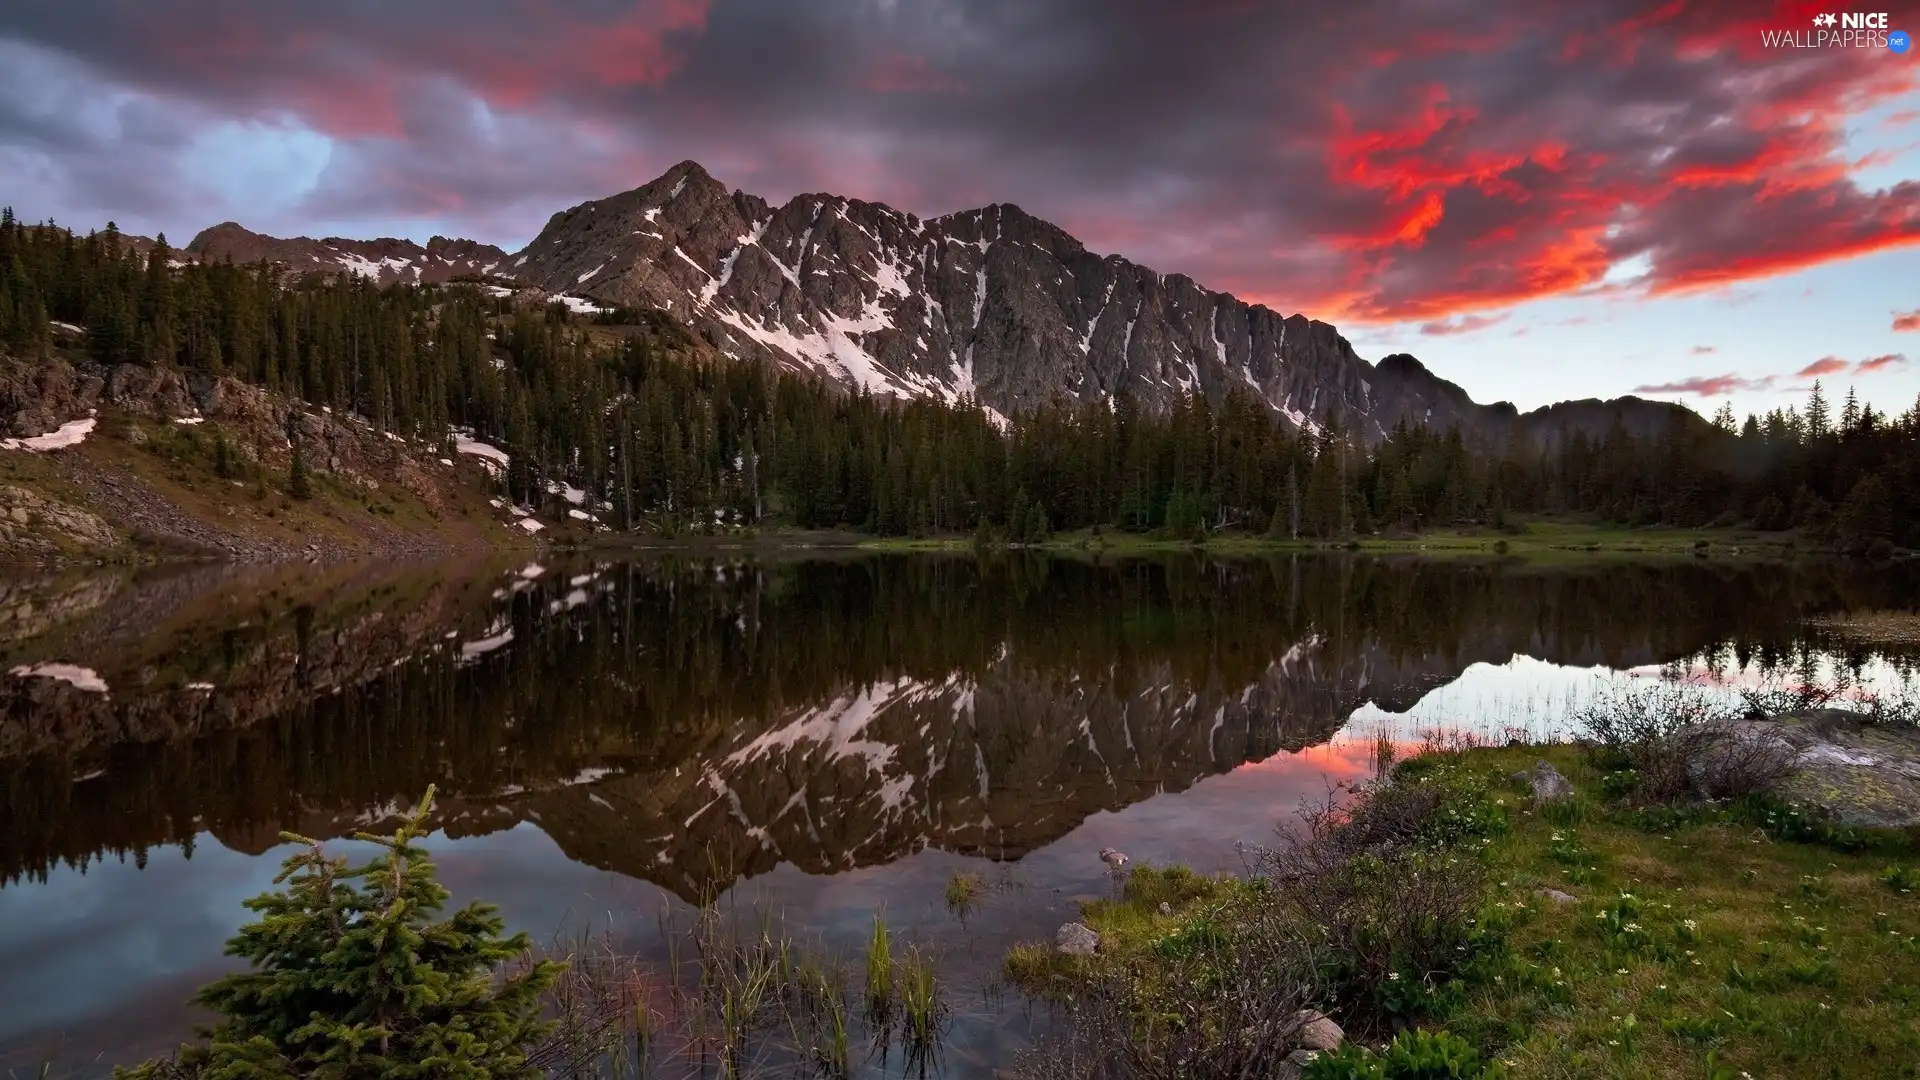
x=1084 y=687
x=620 y=404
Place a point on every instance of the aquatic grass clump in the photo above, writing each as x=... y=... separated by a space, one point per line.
x=738 y=997
x=920 y=1006
x=964 y=892
x=880 y=986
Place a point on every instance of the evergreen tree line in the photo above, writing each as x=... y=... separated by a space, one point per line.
x=661 y=440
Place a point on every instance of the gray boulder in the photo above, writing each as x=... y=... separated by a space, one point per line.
x=1548 y=783
x=1075 y=939
x=1318 y=1031
x=1296 y=1065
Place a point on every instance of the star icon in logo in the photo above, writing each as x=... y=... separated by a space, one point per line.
x=1824 y=20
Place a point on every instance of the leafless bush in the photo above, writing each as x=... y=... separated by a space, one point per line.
x=1682 y=741
x=1774 y=697
x=1893 y=710
x=1382 y=906
x=1376 y=816
x=1212 y=1007
x=1731 y=760
x=1656 y=729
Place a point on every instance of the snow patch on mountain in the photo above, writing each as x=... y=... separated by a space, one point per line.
x=71 y=433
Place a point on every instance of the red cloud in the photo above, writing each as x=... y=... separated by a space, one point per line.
x=1707 y=385
x=1481 y=208
x=1906 y=320
x=1390 y=162
x=1826 y=365
x=1881 y=363
x=1466 y=324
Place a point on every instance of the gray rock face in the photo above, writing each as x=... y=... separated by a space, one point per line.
x=992 y=304
x=1076 y=940
x=1548 y=784
x=1845 y=768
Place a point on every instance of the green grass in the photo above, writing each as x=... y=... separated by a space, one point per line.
x=1539 y=539
x=1707 y=942
x=1699 y=933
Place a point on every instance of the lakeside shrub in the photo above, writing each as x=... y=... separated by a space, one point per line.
x=1392 y=886
x=1656 y=730
x=1213 y=990
x=1660 y=743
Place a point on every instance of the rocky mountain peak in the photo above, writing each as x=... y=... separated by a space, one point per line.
x=991 y=305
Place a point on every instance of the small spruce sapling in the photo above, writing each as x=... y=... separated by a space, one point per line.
x=354 y=978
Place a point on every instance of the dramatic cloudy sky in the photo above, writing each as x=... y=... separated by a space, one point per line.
x=1542 y=200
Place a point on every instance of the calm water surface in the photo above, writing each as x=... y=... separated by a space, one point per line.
x=824 y=738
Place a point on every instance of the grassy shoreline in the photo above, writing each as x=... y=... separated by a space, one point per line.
x=1719 y=940
x=1539 y=539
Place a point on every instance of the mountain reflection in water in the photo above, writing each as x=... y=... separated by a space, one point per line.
x=843 y=733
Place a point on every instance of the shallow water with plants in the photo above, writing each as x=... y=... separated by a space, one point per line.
x=937 y=744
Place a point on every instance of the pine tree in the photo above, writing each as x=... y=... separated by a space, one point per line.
x=299 y=484
x=1818 y=420
x=1866 y=514
x=354 y=978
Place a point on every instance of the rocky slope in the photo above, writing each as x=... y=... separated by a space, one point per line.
x=992 y=304
x=113 y=461
x=386 y=261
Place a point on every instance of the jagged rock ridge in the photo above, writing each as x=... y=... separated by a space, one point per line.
x=992 y=304
x=385 y=261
